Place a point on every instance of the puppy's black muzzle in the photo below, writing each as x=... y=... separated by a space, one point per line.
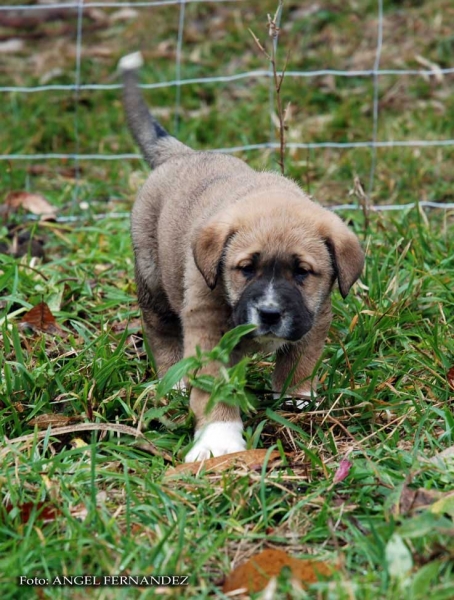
x=277 y=308
x=269 y=316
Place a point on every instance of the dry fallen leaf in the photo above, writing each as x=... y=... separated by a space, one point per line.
x=80 y=511
x=78 y=443
x=98 y=52
x=124 y=14
x=12 y=46
x=450 y=377
x=34 y=203
x=444 y=505
x=29 y=247
x=353 y=323
x=254 y=574
x=412 y=500
x=428 y=64
x=44 y=170
x=43 y=421
x=40 y=318
x=46 y=512
x=444 y=456
x=252 y=459
x=132 y=325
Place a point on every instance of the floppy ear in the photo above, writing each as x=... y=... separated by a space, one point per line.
x=346 y=253
x=208 y=247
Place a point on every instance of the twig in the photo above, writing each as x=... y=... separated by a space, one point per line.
x=278 y=78
x=363 y=199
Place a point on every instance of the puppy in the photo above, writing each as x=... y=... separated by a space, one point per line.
x=217 y=245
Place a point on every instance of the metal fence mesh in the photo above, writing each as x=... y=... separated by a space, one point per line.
x=78 y=86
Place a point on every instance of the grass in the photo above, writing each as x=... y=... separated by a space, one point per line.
x=99 y=502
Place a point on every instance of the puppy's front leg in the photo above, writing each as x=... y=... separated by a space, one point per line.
x=295 y=358
x=220 y=431
x=301 y=358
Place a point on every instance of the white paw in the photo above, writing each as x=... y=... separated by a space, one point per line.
x=217 y=439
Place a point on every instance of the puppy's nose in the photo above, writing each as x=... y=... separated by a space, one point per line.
x=269 y=315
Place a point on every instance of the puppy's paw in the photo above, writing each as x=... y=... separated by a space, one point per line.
x=306 y=398
x=180 y=386
x=217 y=439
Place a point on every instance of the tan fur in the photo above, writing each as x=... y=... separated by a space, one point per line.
x=198 y=209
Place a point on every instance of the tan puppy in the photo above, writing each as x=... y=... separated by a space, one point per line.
x=217 y=245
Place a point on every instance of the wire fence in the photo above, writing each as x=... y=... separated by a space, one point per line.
x=374 y=74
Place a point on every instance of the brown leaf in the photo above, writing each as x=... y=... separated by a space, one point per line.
x=412 y=500
x=43 y=421
x=46 y=170
x=254 y=574
x=450 y=377
x=39 y=318
x=98 y=52
x=34 y=203
x=252 y=459
x=80 y=511
x=353 y=323
x=132 y=325
x=443 y=456
x=46 y=512
x=29 y=247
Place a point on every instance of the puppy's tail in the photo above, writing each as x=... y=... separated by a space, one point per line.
x=156 y=144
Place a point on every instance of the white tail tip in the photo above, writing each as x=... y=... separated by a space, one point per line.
x=131 y=62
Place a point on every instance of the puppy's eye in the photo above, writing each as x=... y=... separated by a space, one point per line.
x=300 y=274
x=247 y=270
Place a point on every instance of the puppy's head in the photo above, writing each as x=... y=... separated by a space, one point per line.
x=279 y=262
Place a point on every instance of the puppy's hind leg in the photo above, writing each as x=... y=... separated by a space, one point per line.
x=164 y=339
x=162 y=326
